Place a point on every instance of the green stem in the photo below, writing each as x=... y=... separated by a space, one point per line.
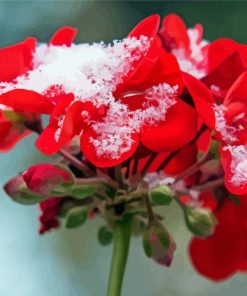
x=121 y=241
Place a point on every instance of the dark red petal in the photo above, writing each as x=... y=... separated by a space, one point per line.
x=17 y=59
x=178 y=129
x=64 y=36
x=26 y=101
x=202 y=98
x=46 y=142
x=176 y=29
x=185 y=158
x=89 y=151
x=10 y=134
x=218 y=256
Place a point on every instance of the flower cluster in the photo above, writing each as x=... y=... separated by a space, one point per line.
x=156 y=117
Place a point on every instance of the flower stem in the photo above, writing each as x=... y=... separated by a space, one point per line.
x=121 y=241
x=75 y=162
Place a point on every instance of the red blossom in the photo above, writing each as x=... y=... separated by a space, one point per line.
x=224 y=253
x=49 y=217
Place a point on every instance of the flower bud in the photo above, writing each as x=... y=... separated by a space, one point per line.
x=200 y=221
x=17 y=189
x=161 y=195
x=158 y=244
x=49 y=180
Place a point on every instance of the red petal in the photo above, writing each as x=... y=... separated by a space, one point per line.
x=178 y=129
x=64 y=36
x=89 y=151
x=226 y=160
x=10 y=134
x=226 y=73
x=147 y=27
x=26 y=101
x=220 y=50
x=17 y=59
x=202 y=99
x=46 y=142
x=176 y=29
x=238 y=91
x=219 y=256
x=185 y=158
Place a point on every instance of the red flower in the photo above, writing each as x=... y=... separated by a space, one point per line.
x=224 y=253
x=136 y=99
x=49 y=217
x=228 y=120
x=186 y=44
x=15 y=61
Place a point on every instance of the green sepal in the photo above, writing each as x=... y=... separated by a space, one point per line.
x=161 y=195
x=83 y=191
x=76 y=217
x=105 y=236
x=201 y=222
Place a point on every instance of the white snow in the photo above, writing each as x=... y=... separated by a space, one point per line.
x=227 y=132
x=238 y=164
x=191 y=64
x=92 y=73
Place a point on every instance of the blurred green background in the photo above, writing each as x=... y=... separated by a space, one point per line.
x=71 y=262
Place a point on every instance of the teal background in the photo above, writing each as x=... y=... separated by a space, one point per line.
x=71 y=262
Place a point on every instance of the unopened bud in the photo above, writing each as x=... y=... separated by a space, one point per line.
x=200 y=221
x=48 y=179
x=158 y=244
x=161 y=195
x=17 y=189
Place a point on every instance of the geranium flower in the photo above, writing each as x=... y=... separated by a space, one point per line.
x=49 y=214
x=224 y=253
x=187 y=45
x=228 y=120
x=15 y=122
x=113 y=96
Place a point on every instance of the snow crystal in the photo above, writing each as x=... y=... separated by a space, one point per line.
x=227 y=132
x=238 y=164
x=115 y=132
x=191 y=64
x=92 y=73
x=84 y=70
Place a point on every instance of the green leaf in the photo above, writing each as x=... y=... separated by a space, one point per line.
x=76 y=217
x=105 y=236
x=83 y=191
x=161 y=195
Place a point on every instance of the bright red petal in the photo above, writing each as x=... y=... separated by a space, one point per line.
x=175 y=28
x=202 y=98
x=238 y=91
x=64 y=36
x=227 y=160
x=46 y=142
x=178 y=129
x=23 y=100
x=218 y=256
x=89 y=151
x=17 y=59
